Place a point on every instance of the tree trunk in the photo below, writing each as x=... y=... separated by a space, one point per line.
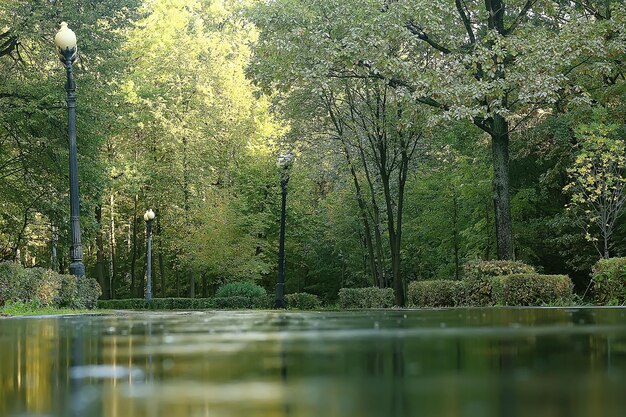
x=54 y=263
x=192 y=281
x=455 y=233
x=100 y=255
x=113 y=248
x=161 y=263
x=501 y=189
x=205 y=285
x=133 y=282
x=363 y=212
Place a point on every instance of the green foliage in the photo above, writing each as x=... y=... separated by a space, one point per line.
x=609 y=281
x=436 y=293
x=226 y=303
x=241 y=289
x=479 y=279
x=369 y=297
x=481 y=269
x=31 y=308
x=598 y=182
x=532 y=290
x=46 y=288
x=241 y=302
x=303 y=301
x=125 y=304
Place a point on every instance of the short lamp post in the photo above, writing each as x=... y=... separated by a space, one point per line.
x=65 y=41
x=149 y=217
x=284 y=163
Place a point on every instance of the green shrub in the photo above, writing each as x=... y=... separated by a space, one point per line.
x=303 y=301
x=435 y=293
x=480 y=269
x=239 y=302
x=123 y=304
x=369 y=297
x=609 y=281
x=241 y=289
x=88 y=293
x=45 y=287
x=204 y=303
x=478 y=279
x=532 y=290
x=15 y=283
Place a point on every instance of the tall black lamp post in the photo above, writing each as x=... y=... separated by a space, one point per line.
x=148 y=217
x=65 y=41
x=284 y=163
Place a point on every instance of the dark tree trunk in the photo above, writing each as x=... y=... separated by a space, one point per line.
x=205 y=285
x=455 y=234
x=364 y=219
x=100 y=255
x=133 y=281
x=161 y=263
x=113 y=248
x=501 y=189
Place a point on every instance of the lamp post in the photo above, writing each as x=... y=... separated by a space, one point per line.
x=148 y=217
x=65 y=41
x=284 y=163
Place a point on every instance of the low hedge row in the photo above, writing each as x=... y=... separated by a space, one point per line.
x=436 y=293
x=369 y=297
x=46 y=288
x=478 y=277
x=303 y=301
x=609 y=281
x=506 y=290
x=226 y=303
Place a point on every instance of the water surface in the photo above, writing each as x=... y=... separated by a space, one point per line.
x=451 y=362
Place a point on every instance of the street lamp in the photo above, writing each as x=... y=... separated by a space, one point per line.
x=148 y=217
x=284 y=163
x=65 y=41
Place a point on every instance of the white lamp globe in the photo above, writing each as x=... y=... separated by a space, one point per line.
x=65 y=38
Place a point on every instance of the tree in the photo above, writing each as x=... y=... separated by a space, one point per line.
x=598 y=182
x=495 y=62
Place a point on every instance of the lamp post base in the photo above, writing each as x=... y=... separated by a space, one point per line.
x=77 y=268
x=280 y=296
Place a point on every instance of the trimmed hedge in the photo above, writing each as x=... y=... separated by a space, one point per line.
x=227 y=303
x=609 y=281
x=532 y=290
x=436 y=293
x=480 y=269
x=241 y=289
x=479 y=278
x=303 y=301
x=46 y=288
x=369 y=297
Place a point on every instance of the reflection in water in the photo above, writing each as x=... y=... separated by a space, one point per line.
x=456 y=362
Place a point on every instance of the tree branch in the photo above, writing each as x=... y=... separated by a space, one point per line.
x=466 y=21
x=419 y=32
x=521 y=16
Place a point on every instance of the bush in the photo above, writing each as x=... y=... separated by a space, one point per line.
x=241 y=289
x=303 y=301
x=238 y=302
x=436 y=293
x=369 y=297
x=15 y=285
x=609 y=281
x=479 y=276
x=46 y=288
x=532 y=290
x=229 y=303
x=124 y=304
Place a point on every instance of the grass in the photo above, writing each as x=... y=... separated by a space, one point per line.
x=33 y=309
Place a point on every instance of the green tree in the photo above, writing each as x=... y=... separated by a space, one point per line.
x=598 y=181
